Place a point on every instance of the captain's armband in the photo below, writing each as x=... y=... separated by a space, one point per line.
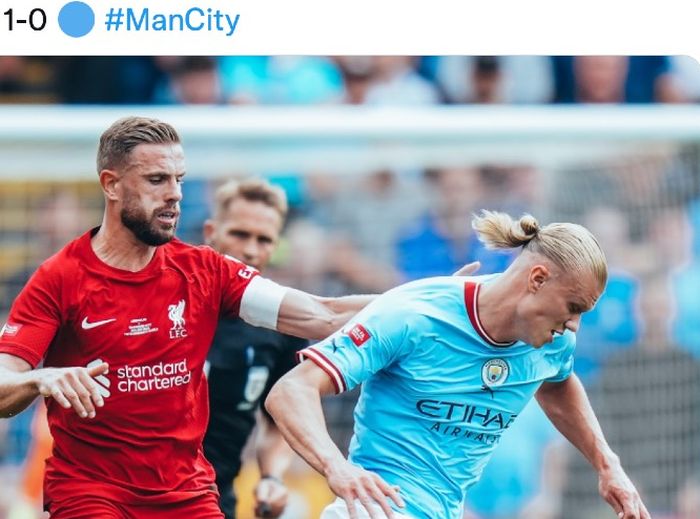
x=261 y=301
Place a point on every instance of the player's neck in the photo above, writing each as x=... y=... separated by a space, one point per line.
x=116 y=246
x=496 y=308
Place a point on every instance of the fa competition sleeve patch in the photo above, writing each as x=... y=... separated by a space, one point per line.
x=367 y=344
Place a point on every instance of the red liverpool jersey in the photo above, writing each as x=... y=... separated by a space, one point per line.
x=154 y=328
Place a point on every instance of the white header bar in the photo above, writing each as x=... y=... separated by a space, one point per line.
x=327 y=27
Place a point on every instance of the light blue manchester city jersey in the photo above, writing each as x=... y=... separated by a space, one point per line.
x=437 y=392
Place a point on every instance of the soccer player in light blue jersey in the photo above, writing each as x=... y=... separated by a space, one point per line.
x=446 y=365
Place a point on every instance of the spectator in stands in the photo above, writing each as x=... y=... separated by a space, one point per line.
x=363 y=252
x=295 y=80
x=107 y=79
x=26 y=79
x=487 y=77
x=506 y=79
x=442 y=237
x=304 y=258
x=396 y=82
x=614 y=79
x=670 y=238
x=686 y=73
x=195 y=80
x=686 y=280
x=511 y=188
x=357 y=73
x=11 y=74
x=612 y=324
x=600 y=79
x=357 y=255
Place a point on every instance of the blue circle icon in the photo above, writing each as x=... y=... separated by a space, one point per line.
x=76 y=19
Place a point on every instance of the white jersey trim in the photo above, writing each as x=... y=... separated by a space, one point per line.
x=261 y=301
x=326 y=365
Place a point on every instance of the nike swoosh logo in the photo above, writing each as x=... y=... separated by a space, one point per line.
x=87 y=326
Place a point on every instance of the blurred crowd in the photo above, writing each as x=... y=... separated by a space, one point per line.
x=638 y=351
x=370 y=80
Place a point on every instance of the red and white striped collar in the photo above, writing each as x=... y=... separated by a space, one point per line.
x=471 y=295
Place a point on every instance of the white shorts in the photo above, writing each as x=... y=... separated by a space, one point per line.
x=339 y=510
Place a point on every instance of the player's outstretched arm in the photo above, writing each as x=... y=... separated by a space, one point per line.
x=314 y=317
x=70 y=387
x=567 y=406
x=295 y=404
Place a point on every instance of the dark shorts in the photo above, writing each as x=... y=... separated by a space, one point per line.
x=90 y=507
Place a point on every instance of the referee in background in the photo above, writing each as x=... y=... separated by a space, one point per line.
x=245 y=361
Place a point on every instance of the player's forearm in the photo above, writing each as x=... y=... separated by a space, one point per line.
x=569 y=409
x=17 y=391
x=312 y=317
x=296 y=409
x=342 y=309
x=273 y=453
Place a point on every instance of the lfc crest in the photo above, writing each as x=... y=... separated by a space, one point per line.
x=175 y=314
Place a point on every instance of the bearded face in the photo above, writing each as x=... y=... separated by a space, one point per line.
x=150 y=192
x=153 y=229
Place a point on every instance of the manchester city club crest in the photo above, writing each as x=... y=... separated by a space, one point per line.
x=494 y=372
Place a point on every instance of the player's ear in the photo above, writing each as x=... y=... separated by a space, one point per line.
x=539 y=274
x=209 y=230
x=109 y=180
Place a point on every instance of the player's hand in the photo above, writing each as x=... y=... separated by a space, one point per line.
x=270 y=498
x=617 y=489
x=352 y=483
x=468 y=269
x=72 y=387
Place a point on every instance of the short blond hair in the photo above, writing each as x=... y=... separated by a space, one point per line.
x=252 y=190
x=570 y=246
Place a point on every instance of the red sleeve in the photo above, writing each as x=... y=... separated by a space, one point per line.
x=235 y=278
x=34 y=318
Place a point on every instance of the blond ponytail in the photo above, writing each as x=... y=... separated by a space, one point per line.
x=572 y=247
x=499 y=231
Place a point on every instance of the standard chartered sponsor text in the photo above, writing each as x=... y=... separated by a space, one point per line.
x=193 y=19
x=162 y=375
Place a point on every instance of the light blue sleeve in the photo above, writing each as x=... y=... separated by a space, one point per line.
x=372 y=340
x=567 y=358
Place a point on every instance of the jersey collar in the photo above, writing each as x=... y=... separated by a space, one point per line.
x=471 y=296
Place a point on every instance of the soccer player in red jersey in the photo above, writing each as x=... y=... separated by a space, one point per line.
x=122 y=318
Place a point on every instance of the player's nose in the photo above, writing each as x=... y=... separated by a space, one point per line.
x=174 y=191
x=573 y=323
x=250 y=250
